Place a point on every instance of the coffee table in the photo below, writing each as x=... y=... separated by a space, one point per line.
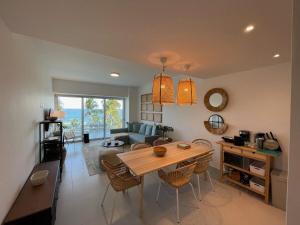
x=113 y=143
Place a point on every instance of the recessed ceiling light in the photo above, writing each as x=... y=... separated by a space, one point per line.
x=249 y=28
x=276 y=55
x=114 y=74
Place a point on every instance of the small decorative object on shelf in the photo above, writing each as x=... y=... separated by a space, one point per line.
x=39 y=177
x=183 y=146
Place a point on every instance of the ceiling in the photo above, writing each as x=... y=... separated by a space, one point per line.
x=209 y=34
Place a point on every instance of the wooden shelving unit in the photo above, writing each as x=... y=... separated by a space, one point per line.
x=242 y=185
x=249 y=153
x=244 y=170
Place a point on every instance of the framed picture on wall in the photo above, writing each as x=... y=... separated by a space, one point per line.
x=150 y=116
x=149 y=111
x=157 y=118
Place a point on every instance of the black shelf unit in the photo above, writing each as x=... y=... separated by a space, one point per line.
x=51 y=148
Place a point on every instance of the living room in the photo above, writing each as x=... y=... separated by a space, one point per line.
x=96 y=65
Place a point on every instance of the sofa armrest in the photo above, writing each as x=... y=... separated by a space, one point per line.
x=119 y=130
x=150 y=139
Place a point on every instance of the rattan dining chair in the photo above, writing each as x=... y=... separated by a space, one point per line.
x=160 y=142
x=120 y=179
x=138 y=146
x=176 y=179
x=202 y=163
x=204 y=142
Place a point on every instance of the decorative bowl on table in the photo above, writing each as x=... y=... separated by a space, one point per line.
x=39 y=177
x=159 y=151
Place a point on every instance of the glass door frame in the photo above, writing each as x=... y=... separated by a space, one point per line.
x=56 y=96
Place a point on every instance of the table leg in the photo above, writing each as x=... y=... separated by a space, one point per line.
x=142 y=197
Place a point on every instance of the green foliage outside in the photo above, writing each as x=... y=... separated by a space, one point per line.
x=94 y=116
x=113 y=117
x=92 y=112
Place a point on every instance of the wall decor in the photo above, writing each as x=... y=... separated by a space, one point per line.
x=215 y=124
x=150 y=111
x=216 y=99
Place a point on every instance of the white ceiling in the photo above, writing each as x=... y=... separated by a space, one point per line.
x=206 y=33
x=64 y=62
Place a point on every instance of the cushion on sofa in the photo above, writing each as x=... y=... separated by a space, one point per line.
x=130 y=127
x=148 y=131
x=136 y=127
x=142 y=129
x=136 y=138
x=153 y=130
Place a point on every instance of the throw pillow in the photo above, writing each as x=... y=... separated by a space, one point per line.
x=153 y=130
x=130 y=126
x=148 y=130
x=136 y=127
x=142 y=129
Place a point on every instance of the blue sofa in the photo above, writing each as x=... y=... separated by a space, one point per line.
x=137 y=133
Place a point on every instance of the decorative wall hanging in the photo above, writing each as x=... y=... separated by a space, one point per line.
x=216 y=124
x=149 y=111
x=216 y=99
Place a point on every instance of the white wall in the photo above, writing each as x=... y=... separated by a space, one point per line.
x=259 y=101
x=293 y=201
x=22 y=90
x=87 y=88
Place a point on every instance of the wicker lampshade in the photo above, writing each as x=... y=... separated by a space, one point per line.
x=58 y=114
x=162 y=89
x=186 y=92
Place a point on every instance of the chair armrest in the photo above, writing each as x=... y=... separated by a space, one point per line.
x=150 y=139
x=119 y=130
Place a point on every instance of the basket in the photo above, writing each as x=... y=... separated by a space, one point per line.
x=159 y=151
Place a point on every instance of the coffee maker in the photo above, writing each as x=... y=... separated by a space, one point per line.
x=245 y=135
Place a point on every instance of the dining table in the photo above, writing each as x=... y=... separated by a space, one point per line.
x=144 y=161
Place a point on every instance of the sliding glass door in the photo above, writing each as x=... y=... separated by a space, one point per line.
x=93 y=115
x=72 y=106
x=114 y=114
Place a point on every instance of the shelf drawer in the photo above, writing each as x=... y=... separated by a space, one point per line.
x=254 y=155
x=232 y=150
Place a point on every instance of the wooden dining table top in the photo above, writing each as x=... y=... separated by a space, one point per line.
x=144 y=161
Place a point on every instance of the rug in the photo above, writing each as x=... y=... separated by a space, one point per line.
x=91 y=153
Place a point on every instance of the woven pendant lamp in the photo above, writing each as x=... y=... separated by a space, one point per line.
x=186 y=91
x=162 y=87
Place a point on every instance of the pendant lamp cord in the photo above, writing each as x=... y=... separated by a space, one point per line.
x=191 y=91
x=160 y=81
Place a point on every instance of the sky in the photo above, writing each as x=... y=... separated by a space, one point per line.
x=75 y=102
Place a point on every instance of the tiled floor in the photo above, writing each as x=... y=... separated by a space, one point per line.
x=80 y=194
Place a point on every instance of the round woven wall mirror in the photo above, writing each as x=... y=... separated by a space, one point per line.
x=216 y=99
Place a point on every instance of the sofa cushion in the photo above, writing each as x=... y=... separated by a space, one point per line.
x=136 y=127
x=136 y=138
x=148 y=131
x=153 y=130
x=130 y=127
x=142 y=129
